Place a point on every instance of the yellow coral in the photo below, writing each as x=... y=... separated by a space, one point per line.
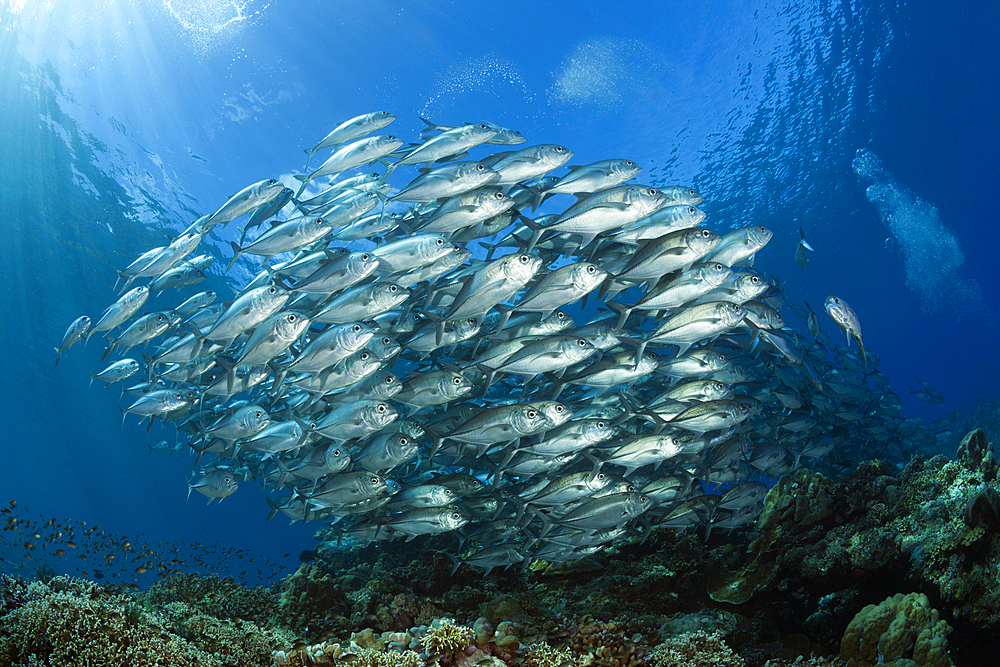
x=903 y=627
x=447 y=637
x=543 y=655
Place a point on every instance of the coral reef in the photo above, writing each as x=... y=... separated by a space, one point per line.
x=75 y=622
x=932 y=528
x=448 y=642
x=976 y=451
x=822 y=550
x=72 y=622
x=312 y=601
x=902 y=630
x=695 y=649
x=214 y=596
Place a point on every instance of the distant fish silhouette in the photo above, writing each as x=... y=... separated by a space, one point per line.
x=800 y=250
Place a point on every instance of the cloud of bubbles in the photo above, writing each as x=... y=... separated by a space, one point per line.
x=602 y=73
x=210 y=22
x=486 y=82
x=931 y=253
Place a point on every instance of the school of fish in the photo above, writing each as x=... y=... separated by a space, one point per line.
x=538 y=364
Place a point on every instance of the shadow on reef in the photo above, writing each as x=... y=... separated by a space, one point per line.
x=874 y=568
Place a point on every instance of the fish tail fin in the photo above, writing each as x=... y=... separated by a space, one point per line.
x=302 y=188
x=622 y=310
x=237 y=251
x=58 y=354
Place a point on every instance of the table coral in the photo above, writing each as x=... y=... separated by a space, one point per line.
x=902 y=628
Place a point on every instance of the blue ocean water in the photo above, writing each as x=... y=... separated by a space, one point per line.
x=123 y=121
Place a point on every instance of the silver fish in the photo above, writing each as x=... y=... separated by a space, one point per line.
x=74 y=332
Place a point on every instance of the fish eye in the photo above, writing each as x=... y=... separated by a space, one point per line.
x=691 y=210
x=386 y=340
x=403 y=440
x=523 y=259
x=706 y=233
x=448 y=492
x=472 y=321
x=484 y=126
x=271 y=181
x=591 y=268
x=390 y=137
x=629 y=163
x=258 y=414
x=754 y=279
x=499 y=195
x=393 y=288
x=272 y=290
x=336 y=452
x=692 y=191
x=582 y=342
x=601 y=476
x=291 y=317
x=532 y=414
x=366 y=257
x=381 y=408
x=456 y=515
x=374 y=480
x=560 y=315
x=356 y=328
x=364 y=356
x=312 y=426
x=559 y=149
x=439 y=241
x=560 y=408
x=389 y=379
x=642 y=499
x=456 y=380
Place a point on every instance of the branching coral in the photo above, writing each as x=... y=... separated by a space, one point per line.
x=77 y=623
x=695 y=649
x=451 y=643
x=213 y=595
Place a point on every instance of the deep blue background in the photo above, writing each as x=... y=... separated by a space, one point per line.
x=122 y=122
